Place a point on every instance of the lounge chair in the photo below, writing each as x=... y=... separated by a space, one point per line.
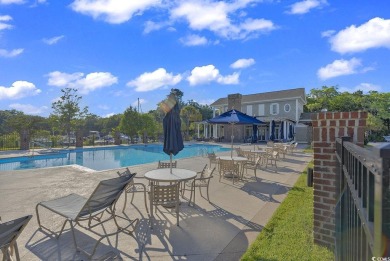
x=75 y=209
x=9 y=232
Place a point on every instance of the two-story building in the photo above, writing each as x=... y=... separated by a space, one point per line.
x=283 y=107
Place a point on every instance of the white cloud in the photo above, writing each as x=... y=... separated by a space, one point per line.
x=242 y=63
x=89 y=83
x=153 y=26
x=28 y=108
x=12 y=53
x=141 y=101
x=206 y=101
x=3 y=22
x=19 y=89
x=365 y=87
x=216 y=17
x=373 y=34
x=8 y=2
x=53 y=40
x=327 y=33
x=150 y=81
x=208 y=73
x=112 y=11
x=338 y=68
x=103 y=107
x=305 y=6
x=193 y=40
x=108 y=115
x=229 y=79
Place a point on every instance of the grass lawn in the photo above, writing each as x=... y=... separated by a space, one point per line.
x=289 y=233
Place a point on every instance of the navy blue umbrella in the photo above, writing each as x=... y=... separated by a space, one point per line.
x=281 y=130
x=254 y=137
x=233 y=117
x=290 y=132
x=173 y=140
x=272 y=136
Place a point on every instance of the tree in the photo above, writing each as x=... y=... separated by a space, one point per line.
x=190 y=114
x=4 y=117
x=130 y=122
x=205 y=110
x=320 y=99
x=67 y=110
x=110 y=124
x=148 y=126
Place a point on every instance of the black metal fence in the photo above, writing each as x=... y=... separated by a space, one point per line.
x=10 y=141
x=363 y=207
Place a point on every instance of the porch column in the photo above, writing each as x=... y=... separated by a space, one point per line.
x=270 y=131
x=285 y=130
x=198 y=130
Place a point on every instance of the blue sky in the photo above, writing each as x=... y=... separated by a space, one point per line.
x=118 y=51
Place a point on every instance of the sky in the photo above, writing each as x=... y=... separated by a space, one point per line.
x=117 y=53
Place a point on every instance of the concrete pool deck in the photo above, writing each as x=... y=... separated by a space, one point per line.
x=220 y=230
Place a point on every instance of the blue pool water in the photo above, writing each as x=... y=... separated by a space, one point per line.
x=106 y=157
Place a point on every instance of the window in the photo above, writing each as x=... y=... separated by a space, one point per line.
x=261 y=110
x=287 y=107
x=274 y=109
x=249 y=110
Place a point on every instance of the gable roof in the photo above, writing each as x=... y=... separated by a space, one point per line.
x=267 y=96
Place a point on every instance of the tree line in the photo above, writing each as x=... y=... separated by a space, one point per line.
x=67 y=116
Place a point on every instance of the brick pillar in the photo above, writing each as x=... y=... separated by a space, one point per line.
x=24 y=140
x=327 y=126
x=117 y=138
x=234 y=102
x=79 y=139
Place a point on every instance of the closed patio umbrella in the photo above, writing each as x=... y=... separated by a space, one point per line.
x=272 y=136
x=234 y=117
x=281 y=131
x=290 y=132
x=173 y=140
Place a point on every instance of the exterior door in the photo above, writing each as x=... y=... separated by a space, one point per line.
x=262 y=134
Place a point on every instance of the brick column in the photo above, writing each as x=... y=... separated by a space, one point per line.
x=24 y=140
x=234 y=102
x=117 y=138
x=79 y=139
x=327 y=126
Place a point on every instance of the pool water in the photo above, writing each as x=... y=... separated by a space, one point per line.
x=106 y=157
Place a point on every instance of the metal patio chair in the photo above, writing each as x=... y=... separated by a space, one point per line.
x=162 y=194
x=76 y=209
x=134 y=187
x=201 y=181
x=228 y=168
x=166 y=165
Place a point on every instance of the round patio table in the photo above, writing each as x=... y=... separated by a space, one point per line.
x=165 y=175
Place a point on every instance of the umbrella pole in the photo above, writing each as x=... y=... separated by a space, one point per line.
x=232 y=138
x=170 y=155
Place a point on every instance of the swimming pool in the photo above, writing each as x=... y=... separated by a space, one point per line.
x=104 y=158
